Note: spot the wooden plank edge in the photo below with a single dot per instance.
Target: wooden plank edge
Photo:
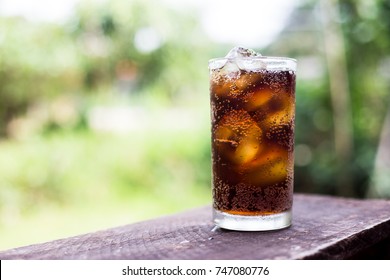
(359, 242)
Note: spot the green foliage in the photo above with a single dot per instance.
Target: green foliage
(131, 48)
(366, 27)
(314, 129)
(137, 43)
(53, 164)
(152, 172)
(27, 73)
(73, 167)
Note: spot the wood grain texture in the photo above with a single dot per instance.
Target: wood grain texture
(323, 228)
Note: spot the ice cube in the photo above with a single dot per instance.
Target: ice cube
(270, 167)
(246, 59)
(234, 84)
(248, 81)
(238, 58)
(254, 65)
(247, 148)
(280, 110)
(215, 64)
(240, 52)
(258, 99)
(237, 137)
(230, 70)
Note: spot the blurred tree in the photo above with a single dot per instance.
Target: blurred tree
(139, 47)
(37, 61)
(130, 47)
(322, 125)
(136, 48)
(335, 56)
(380, 181)
(366, 29)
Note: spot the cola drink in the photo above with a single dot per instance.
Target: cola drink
(252, 126)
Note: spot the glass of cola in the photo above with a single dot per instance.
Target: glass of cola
(252, 100)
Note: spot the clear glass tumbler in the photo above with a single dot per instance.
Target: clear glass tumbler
(252, 117)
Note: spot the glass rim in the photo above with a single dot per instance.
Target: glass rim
(255, 63)
(273, 58)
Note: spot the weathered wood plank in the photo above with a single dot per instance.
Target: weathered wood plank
(323, 228)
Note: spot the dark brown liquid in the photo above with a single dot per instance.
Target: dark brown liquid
(253, 141)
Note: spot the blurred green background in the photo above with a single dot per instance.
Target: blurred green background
(104, 114)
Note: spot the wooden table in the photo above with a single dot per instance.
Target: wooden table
(323, 227)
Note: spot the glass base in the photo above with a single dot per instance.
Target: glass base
(252, 223)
